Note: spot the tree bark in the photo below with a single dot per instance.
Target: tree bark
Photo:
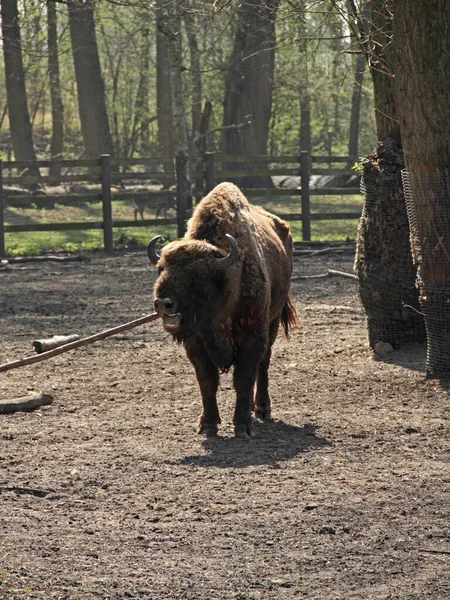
(57, 143)
(169, 24)
(19, 117)
(249, 82)
(195, 74)
(360, 64)
(91, 90)
(421, 34)
(383, 261)
(142, 119)
(163, 92)
(353, 135)
(304, 84)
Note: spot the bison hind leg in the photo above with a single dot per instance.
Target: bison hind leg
(262, 400)
(264, 413)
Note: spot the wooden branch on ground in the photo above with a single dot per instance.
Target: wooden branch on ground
(54, 342)
(83, 342)
(329, 273)
(333, 273)
(49, 258)
(25, 403)
(323, 251)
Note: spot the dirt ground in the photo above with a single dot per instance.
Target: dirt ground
(109, 493)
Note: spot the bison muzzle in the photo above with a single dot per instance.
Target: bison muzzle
(222, 291)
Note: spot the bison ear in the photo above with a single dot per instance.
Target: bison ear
(220, 264)
(153, 256)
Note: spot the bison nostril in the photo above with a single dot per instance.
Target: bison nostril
(164, 305)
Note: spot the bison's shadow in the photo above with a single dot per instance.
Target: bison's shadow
(274, 442)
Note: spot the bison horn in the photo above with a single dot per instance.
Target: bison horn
(153, 256)
(225, 262)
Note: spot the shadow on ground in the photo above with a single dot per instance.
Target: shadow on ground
(409, 356)
(274, 442)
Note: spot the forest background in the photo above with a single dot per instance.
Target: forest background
(316, 96)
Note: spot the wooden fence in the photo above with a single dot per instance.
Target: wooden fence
(205, 171)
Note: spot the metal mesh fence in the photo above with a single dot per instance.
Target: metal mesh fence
(383, 263)
(427, 198)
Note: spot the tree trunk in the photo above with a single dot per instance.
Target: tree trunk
(249, 82)
(163, 92)
(383, 261)
(360, 65)
(196, 76)
(142, 110)
(169, 23)
(353, 135)
(421, 34)
(303, 86)
(91, 90)
(56, 148)
(19, 117)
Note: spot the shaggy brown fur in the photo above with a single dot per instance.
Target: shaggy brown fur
(229, 317)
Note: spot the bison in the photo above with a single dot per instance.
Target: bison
(222, 291)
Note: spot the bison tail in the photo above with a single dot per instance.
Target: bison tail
(289, 318)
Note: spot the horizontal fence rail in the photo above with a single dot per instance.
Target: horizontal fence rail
(157, 187)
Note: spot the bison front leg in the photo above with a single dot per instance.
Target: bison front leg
(208, 380)
(245, 372)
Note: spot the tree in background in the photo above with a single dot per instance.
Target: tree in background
(19, 117)
(91, 91)
(163, 91)
(310, 67)
(196, 89)
(142, 117)
(169, 24)
(421, 37)
(383, 262)
(57, 143)
(360, 65)
(249, 81)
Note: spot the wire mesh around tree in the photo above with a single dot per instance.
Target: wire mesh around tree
(427, 197)
(383, 263)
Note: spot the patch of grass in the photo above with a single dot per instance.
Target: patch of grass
(34, 242)
(327, 231)
(29, 243)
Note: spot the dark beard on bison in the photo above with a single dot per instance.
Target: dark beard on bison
(172, 323)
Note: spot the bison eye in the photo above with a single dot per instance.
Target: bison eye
(160, 270)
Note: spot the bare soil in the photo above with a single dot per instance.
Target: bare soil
(109, 493)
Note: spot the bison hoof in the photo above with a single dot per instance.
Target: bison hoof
(263, 413)
(245, 432)
(208, 429)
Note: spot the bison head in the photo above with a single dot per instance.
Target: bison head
(191, 287)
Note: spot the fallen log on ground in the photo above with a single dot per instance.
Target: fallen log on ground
(25, 403)
(329, 273)
(44, 258)
(72, 345)
(54, 342)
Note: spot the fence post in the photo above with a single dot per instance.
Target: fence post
(306, 201)
(105, 176)
(199, 177)
(2, 215)
(184, 197)
(210, 175)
